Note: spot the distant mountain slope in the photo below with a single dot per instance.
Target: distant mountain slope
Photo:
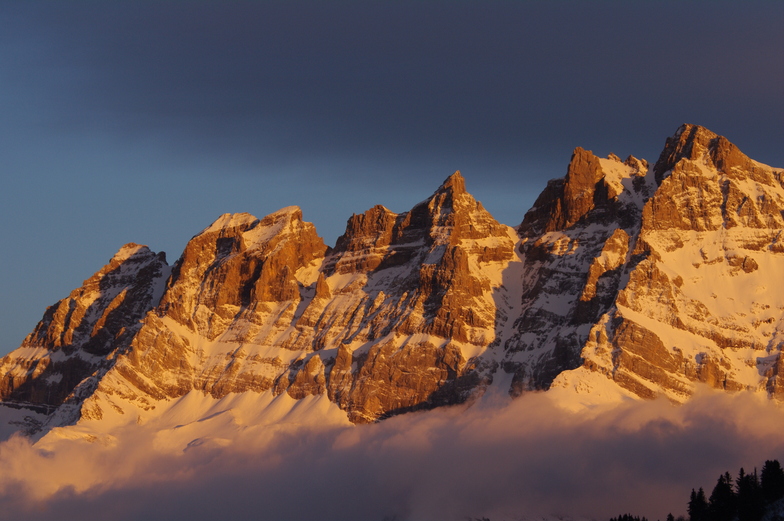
(622, 280)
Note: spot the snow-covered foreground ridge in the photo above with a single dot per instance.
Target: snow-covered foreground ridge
(623, 281)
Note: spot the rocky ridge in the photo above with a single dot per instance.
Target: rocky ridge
(699, 301)
(622, 280)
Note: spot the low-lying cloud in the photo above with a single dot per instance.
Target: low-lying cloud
(497, 459)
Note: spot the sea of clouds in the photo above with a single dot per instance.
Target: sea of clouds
(499, 459)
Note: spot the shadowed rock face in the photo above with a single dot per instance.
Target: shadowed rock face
(648, 279)
(576, 241)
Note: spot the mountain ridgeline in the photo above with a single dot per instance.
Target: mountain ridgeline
(623, 280)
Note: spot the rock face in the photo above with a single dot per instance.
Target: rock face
(576, 241)
(699, 301)
(82, 334)
(621, 280)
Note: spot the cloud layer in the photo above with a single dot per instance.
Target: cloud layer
(497, 459)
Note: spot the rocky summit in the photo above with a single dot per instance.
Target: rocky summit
(624, 280)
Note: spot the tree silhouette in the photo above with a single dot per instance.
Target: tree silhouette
(750, 502)
(722, 504)
(628, 517)
(749, 499)
(772, 481)
(698, 506)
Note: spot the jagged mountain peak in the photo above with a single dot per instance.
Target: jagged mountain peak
(78, 335)
(371, 229)
(131, 250)
(243, 231)
(450, 196)
(706, 183)
(595, 184)
(593, 188)
(452, 214)
(697, 304)
(230, 220)
(240, 260)
(447, 216)
(584, 172)
(455, 184)
(682, 145)
(288, 213)
(694, 142)
(124, 264)
(244, 221)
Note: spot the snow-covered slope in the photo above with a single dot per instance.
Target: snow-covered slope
(622, 281)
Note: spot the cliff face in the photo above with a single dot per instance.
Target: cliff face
(699, 302)
(576, 242)
(84, 332)
(621, 280)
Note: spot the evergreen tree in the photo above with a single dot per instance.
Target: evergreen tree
(772, 480)
(698, 506)
(750, 502)
(722, 504)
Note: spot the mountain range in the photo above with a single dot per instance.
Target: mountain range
(624, 281)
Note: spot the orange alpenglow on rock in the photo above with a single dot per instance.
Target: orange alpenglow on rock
(622, 281)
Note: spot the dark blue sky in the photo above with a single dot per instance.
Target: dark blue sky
(144, 121)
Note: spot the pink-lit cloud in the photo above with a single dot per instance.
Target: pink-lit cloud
(528, 458)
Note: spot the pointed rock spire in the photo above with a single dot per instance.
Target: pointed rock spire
(682, 145)
(455, 183)
(584, 172)
(565, 201)
(322, 288)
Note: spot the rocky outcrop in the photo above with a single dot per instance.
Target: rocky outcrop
(587, 189)
(709, 312)
(82, 333)
(237, 268)
(365, 244)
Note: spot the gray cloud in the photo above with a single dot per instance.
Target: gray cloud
(465, 81)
